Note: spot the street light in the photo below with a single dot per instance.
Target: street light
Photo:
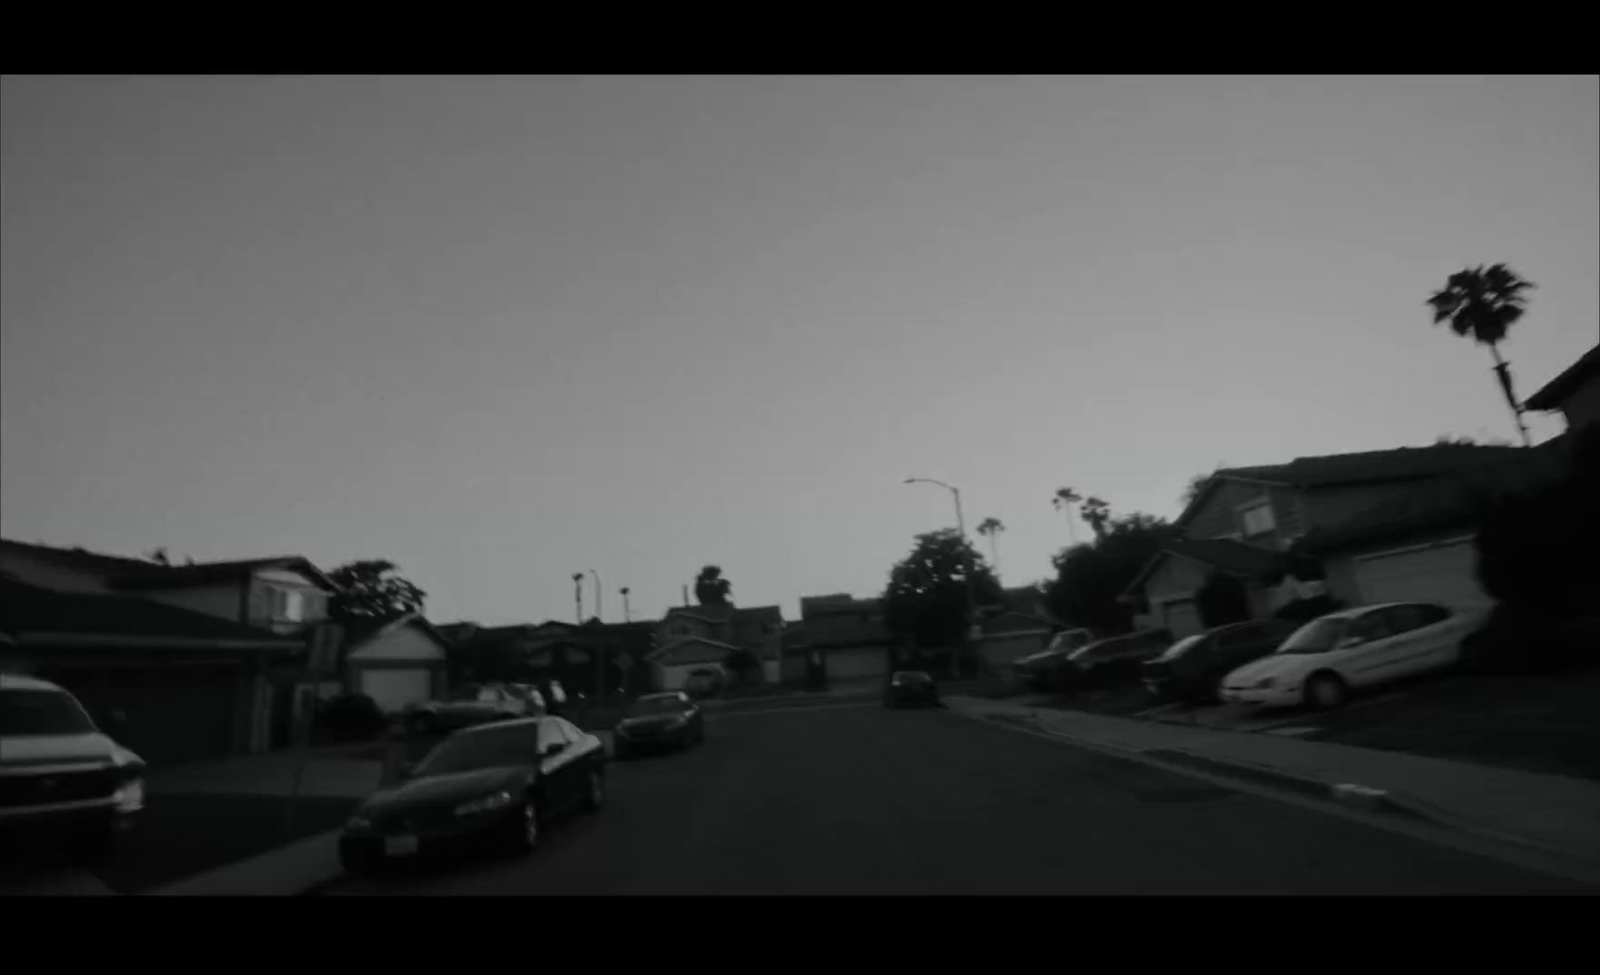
(966, 574)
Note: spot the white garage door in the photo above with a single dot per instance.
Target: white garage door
(394, 689)
(849, 664)
(1443, 573)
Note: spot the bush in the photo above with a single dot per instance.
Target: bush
(353, 717)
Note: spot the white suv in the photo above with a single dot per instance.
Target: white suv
(59, 774)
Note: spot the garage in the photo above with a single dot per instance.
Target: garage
(395, 689)
(1181, 617)
(856, 663)
(168, 715)
(1443, 572)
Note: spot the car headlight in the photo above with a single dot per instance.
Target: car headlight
(130, 796)
(358, 823)
(1265, 683)
(487, 804)
(677, 722)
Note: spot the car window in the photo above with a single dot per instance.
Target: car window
(1371, 626)
(42, 712)
(491, 747)
(1414, 616)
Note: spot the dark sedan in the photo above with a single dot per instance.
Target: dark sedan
(911, 687)
(1193, 668)
(657, 721)
(492, 787)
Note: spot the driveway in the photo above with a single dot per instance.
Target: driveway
(853, 799)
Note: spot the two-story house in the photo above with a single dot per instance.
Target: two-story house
(187, 659)
(690, 638)
(845, 639)
(1385, 525)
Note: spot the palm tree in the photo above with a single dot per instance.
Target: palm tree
(1063, 500)
(577, 593)
(1484, 303)
(992, 527)
(1097, 513)
(627, 614)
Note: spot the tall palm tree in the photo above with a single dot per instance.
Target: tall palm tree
(1097, 513)
(1063, 500)
(577, 593)
(992, 527)
(627, 614)
(1484, 303)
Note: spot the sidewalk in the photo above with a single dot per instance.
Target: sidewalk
(329, 773)
(1551, 813)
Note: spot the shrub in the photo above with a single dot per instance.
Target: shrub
(353, 717)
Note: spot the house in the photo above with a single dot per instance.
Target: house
(172, 684)
(846, 638)
(1019, 624)
(1381, 525)
(567, 652)
(282, 596)
(690, 638)
(1575, 393)
(397, 661)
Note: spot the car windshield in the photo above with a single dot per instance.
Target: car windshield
(1317, 636)
(1181, 647)
(496, 748)
(41, 712)
(656, 705)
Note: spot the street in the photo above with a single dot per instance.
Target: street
(852, 799)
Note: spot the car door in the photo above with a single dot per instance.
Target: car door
(1367, 650)
(1422, 644)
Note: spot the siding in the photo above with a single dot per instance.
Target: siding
(1177, 576)
(220, 599)
(1218, 517)
(406, 643)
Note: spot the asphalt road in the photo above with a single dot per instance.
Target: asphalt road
(853, 799)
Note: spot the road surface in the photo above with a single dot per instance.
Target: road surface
(853, 799)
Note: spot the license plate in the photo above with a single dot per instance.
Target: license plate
(400, 846)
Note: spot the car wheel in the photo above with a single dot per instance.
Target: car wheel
(526, 826)
(1326, 691)
(596, 796)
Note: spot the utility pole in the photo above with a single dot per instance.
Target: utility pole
(577, 594)
(627, 614)
(966, 573)
(599, 613)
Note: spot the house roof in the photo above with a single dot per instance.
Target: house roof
(727, 614)
(358, 632)
(1235, 558)
(1365, 467)
(130, 573)
(713, 649)
(1556, 391)
(26, 609)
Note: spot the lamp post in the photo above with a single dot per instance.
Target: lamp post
(599, 613)
(577, 594)
(966, 573)
(627, 614)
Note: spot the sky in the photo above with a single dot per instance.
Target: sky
(504, 329)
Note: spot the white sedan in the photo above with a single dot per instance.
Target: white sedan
(1354, 648)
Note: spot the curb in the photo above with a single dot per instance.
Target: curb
(1349, 795)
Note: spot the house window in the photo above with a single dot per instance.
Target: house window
(288, 605)
(1257, 519)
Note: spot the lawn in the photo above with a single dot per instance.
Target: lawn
(1534, 723)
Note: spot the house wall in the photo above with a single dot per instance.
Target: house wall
(221, 599)
(314, 601)
(1583, 406)
(1341, 565)
(675, 628)
(404, 643)
(857, 626)
(48, 574)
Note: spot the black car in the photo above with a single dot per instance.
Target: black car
(1192, 669)
(1108, 661)
(657, 721)
(911, 687)
(492, 787)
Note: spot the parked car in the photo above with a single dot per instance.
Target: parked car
(1193, 668)
(491, 787)
(667, 720)
(911, 687)
(1036, 671)
(535, 699)
(61, 777)
(471, 704)
(1108, 660)
(1322, 662)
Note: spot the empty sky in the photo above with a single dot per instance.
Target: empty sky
(503, 329)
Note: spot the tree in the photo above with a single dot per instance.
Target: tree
(1484, 303)
(1091, 578)
(991, 528)
(1222, 599)
(926, 598)
(159, 556)
(372, 589)
(1063, 500)
(1097, 514)
(710, 589)
(1196, 485)
(743, 665)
